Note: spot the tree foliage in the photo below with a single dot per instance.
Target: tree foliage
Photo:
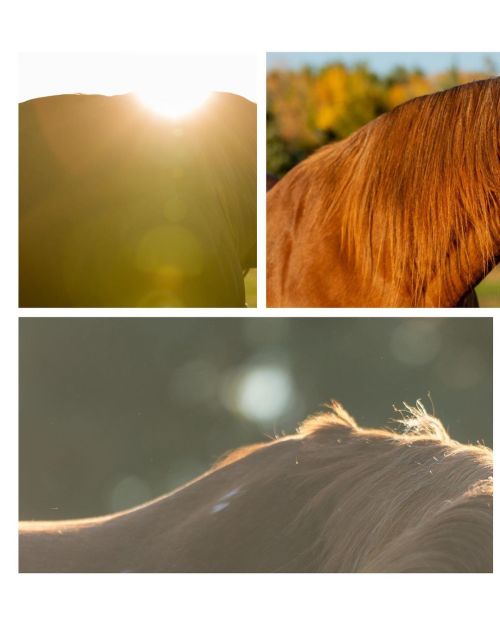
(307, 108)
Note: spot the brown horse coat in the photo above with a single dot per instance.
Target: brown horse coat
(405, 212)
(333, 498)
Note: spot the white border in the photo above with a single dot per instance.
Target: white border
(240, 27)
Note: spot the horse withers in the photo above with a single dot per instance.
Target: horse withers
(334, 497)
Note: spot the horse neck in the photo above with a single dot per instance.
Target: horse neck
(226, 521)
(236, 518)
(324, 501)
(464, 263)
(466, 267)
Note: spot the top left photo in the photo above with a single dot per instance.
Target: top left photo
(137, 181)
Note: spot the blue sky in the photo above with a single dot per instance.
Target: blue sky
(383, 62)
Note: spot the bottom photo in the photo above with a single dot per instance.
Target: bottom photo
(256, 445)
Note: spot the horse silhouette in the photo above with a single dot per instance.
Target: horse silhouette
(121, 207)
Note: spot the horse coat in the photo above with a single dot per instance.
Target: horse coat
(405, 212)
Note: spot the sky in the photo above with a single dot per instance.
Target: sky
(383, 62)
(54, 74)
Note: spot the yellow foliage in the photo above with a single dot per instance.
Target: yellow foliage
(308, 108)
(330, 96)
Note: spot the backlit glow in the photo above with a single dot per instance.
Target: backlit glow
(176, 103)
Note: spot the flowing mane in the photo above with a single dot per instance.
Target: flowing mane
(412, 198)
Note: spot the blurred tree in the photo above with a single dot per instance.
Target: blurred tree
(397, 75)
(346, 100)
(291, 121)
(278, 154)
(308, 108)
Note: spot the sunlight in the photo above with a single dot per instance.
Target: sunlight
(177, 103)
(261, 392)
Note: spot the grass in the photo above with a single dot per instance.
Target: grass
(488, 291)
(251, 288)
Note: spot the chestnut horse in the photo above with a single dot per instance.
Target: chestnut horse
(120, 207)
(405, 212)
(335, 497)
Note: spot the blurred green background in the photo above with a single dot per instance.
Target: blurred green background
(488, 291)
(115, 411)
(316, 98)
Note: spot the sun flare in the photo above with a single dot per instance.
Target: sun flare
(175, 104)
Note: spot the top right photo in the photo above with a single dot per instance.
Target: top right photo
(383, 177)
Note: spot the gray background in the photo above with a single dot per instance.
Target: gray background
(115, 411)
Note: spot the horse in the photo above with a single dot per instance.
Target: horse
(121, 207)
(403, 213)
(334, 497)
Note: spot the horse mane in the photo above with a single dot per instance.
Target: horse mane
(417, 189)
(415, 421)
(379, 500)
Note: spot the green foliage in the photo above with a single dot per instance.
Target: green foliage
(309, 108)
(488, 291)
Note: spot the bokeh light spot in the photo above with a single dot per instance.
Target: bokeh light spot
(172, 253)
(416, 342)
(260, 392)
